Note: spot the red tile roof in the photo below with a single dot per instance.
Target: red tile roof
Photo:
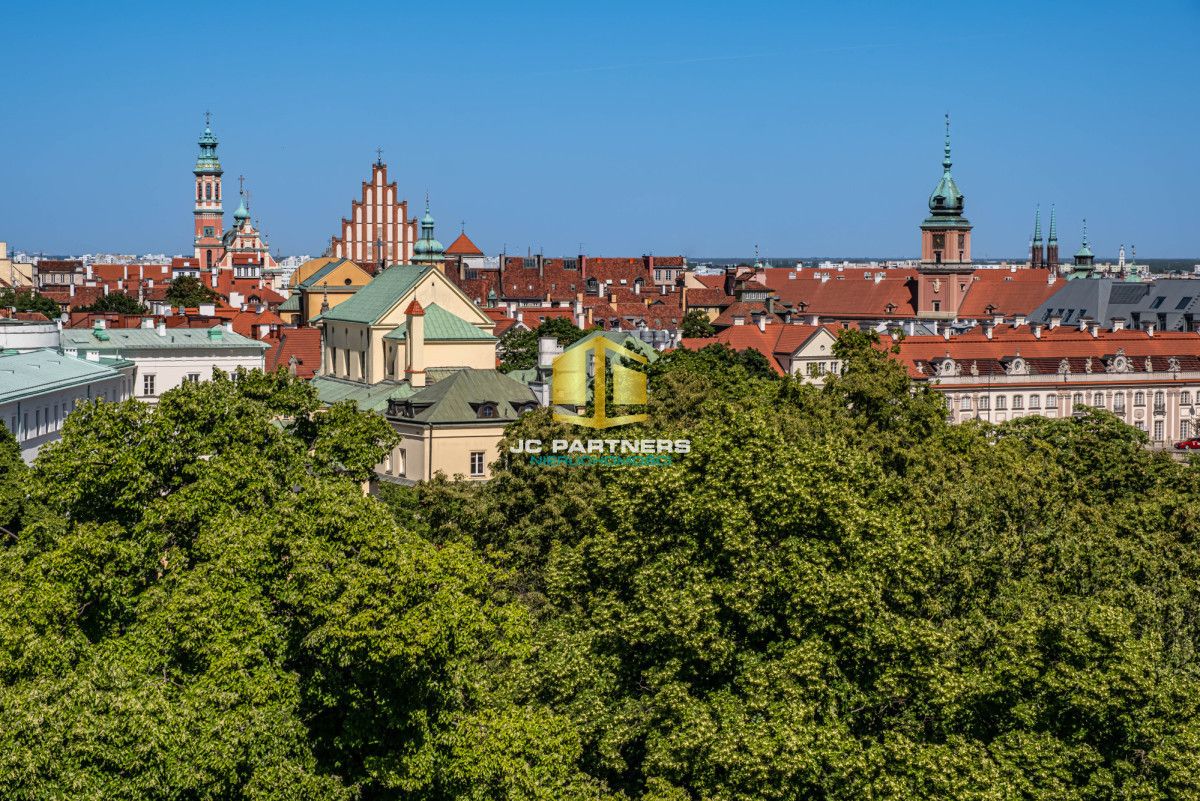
(852, 293)
(301, 344)
(463, 246)
(777, 342)
(1005, 292)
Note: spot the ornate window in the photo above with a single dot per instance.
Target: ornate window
(1119, 403)
(1160, 403)
(1139, 399)
(1077, 400)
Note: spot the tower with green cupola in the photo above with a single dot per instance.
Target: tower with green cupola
(427, 250)
(943, 274)
(208, 214)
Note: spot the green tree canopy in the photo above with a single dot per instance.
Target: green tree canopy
(696, 324)
(118, 302)
(518, 347)
(26, 300)
(189, 292)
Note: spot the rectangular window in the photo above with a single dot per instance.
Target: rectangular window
(1158, 430)
(148, 384)
(1185, 429)
(1001, 402)
(965, 404)
(984, 403)
(476, 464)
(1018, 402)
(1035, 402)
(193, 377)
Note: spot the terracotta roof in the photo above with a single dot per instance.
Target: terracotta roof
(302, 344)
(776, 343)
(415, 309)
(852, 293)
(1005, 292)
(743, 309)
(1043, 355)
(463, 246)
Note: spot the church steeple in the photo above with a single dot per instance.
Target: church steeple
(1052, 244)
(428, 250)
(1036, 251)
(208, 214)
(942, 275)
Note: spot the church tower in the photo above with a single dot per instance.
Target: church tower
(1036, 252)
(944, 274)
(428, 250)
(1052, 245)
(208, 213)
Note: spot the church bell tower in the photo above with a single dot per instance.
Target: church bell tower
(944, 273)
(208, 213)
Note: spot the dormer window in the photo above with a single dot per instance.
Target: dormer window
(486, 411)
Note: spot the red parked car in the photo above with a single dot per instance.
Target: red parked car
(1192, 444)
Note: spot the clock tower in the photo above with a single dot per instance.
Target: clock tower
(944, 273)
(208, 213)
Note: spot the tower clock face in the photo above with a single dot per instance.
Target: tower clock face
(939, 241)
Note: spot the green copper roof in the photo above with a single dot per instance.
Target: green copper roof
(458, 398)
(292, 304)
(427, 249)
(442, 326)
(369, 304)
(242, 212)
(1053, 230)
(38, 372)
(131, 340)
(369, 397)
(207, 161)
(1037, 226)
(1084, 251)
(946, 200)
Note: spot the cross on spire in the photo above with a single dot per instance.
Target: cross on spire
(241, 184)
(946, 157)
(379, 156)
(207, 118)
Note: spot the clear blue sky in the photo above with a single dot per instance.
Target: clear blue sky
(694, 127)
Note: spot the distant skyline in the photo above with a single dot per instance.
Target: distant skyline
(694, 128)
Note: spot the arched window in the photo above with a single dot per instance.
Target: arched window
(199, 192)
(208, 259)
(487, 410)
(208, 191)
(1035, 402)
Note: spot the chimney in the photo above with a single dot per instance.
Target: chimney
(161, 328)
(1118, 323)
(147, 322)
(580, 320)
(730, 279)
(814, 319)
(1037, 332)
(1094, 330)
(997, 319)
(1083, 323)
(1055, 321)
(946, 333)
(548, 351)
(1149, 329)
(99, 324)
(414, 350)
(987, 330)
(1018, 320)
(770, 304)
(520, 316)
(761, 319)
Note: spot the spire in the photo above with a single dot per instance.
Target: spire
(1053, 229)
(946, 157)
(427, 250)
(243, 211)
(1037, 225)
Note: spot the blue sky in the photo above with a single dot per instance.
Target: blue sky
(697, 128)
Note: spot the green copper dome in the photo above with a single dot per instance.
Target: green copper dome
(427, 249)
(207, 162)
(1084, 250)
(946, 200)
(242, 212)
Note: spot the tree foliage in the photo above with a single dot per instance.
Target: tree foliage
(117, 302)
(835, 594)
(26, 300)
(189, 292)
(696, 324)
(518, 347)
